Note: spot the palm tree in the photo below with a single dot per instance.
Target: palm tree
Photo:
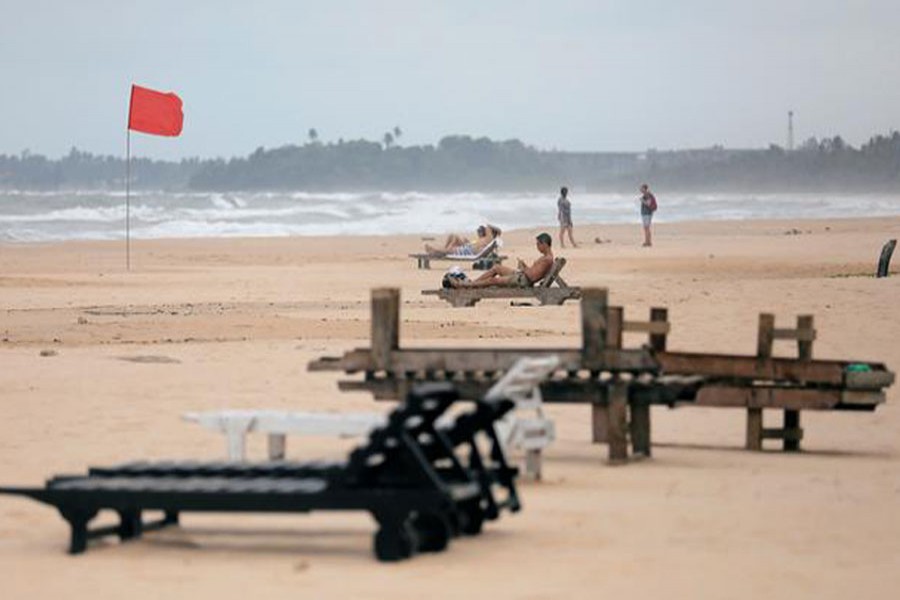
(313, 135)
(388, 139)
(397, 132)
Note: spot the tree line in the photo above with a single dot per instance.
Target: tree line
(461, 162)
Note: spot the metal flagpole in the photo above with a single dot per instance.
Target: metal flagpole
(128, 200)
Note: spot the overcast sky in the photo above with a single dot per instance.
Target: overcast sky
(576, 75)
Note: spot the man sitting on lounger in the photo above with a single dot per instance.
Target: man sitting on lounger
(524, 276)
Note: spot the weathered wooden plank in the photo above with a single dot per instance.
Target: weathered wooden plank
(385, 326)
(754, 428)
(617, 407)
(614, 327)
(551, 276)
(785, 398)
(752, 368)
(658, 339)
(875, 379)
(856, 399)
(594, 303)
(793, 436)
(711, 366)
(640, 428)
(765, 336)
(653, 327)
(599, 423)
(483, 359)
(553, 392)
(794, 334)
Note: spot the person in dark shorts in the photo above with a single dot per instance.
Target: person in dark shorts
(648, 207)
(564, 214)
(524, 276)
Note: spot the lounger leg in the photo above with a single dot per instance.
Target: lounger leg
(130, 524)
(618, 424)
(277, 445)
(78, 520)
(640, 428)
(600, 423)
(754, 428)
(533, 464)
(792, 431)
(433, 531)
(395, 539)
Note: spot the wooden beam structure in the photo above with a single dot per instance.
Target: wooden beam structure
(622, 384)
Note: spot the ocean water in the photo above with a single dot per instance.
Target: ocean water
(27, 216)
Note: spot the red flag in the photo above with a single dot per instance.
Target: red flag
(155, 112)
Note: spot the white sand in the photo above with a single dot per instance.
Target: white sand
(242, 318)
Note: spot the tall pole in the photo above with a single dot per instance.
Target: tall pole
(790, 140)
(128, 200)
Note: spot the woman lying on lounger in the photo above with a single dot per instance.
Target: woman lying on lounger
(524, 276)
(457, 245)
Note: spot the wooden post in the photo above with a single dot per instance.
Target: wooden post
(618, 425)
(615, 318)
(658, 340)
(640, 428)
(600, 416)
(754, 428)
(385, 326)
(600, 419)
(792, 430)
(765, 337)
(594, 303)
(804, 346)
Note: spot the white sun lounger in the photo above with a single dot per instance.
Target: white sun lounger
(520, 384)
(488, 256)
(531, 433)
(236, 424)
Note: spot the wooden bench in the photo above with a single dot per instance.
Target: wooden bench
(552, 289)
(484, 260)
(622, 383)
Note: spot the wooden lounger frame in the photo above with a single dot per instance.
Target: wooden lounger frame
(620, 383)
(544, 290)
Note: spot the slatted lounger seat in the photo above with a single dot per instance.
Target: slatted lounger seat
(552, 289)
(485, 259)
(277, 424)
(422, 483)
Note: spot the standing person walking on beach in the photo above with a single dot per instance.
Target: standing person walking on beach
(564, 213)
(648, 207)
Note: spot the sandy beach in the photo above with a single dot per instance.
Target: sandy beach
(232, 323)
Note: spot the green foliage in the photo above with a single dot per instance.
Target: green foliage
(460, 162)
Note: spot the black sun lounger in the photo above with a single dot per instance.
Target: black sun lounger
(423, 483)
